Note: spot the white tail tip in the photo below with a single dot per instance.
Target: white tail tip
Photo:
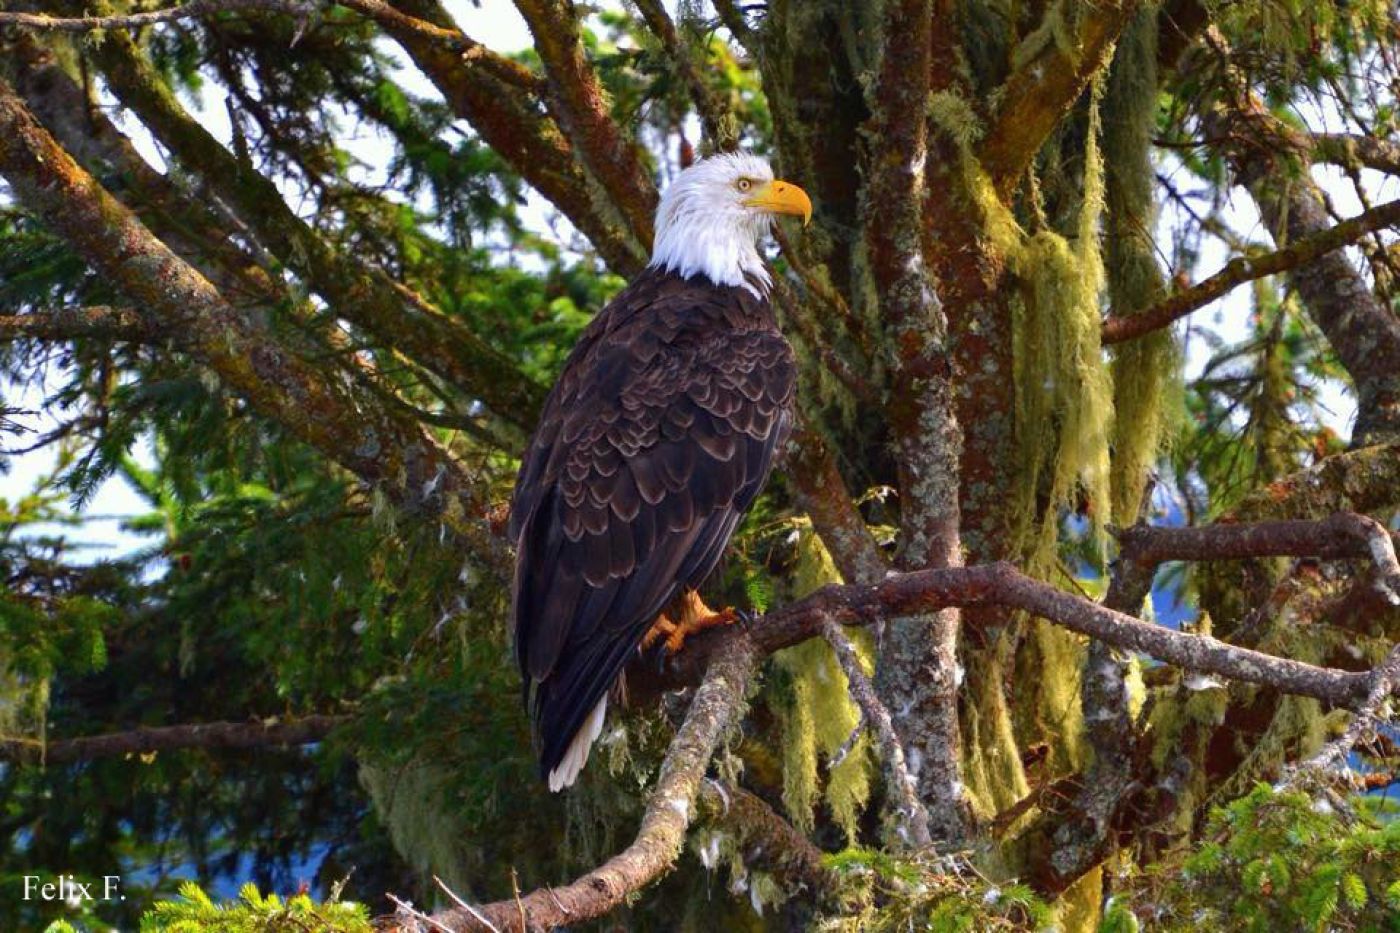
(576, 757)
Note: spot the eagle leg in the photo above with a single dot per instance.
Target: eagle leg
(692, 617)
(661, 629)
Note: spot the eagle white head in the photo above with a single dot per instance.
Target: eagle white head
(710, 218)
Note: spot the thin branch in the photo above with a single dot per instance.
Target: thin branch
(913, 828)
(507, 70)
(148, 739)
(46, 23)
(1385, 680)
(669, 810)
(78, 323)
(1248, 268)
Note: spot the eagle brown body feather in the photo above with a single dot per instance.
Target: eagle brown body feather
(656, 439)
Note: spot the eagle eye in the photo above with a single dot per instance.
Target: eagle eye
(744, 184)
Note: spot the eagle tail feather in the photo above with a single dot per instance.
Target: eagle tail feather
(576, 756)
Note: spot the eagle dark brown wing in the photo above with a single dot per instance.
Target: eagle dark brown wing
(657, 438)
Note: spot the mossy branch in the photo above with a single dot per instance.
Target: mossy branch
(1043, 88)
(1244, 269)
(671, 805)
(912, 818)
(103, 322)
(579, 103)
(1003, 585)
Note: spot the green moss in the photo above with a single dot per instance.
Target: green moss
(818, 714)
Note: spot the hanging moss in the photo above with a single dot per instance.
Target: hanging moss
(818, 715)
(992, 769)
(1147, 391)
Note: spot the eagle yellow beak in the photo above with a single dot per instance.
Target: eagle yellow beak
(782, 197)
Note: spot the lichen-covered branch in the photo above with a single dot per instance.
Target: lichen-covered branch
(510, 122)
(1045, 86)
(149, 739)
(911, 817)
(580, 105)
(671, 804)
(1248, 268)
(1385, 681)
(916, 669)
(103, 322)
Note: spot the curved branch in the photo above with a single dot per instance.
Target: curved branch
(147, 739)
(670, 805)
(1001, 584)
(1248, 268)
(495, 64)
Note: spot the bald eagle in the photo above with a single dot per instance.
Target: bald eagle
(656, 439)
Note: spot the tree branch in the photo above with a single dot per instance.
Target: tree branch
(148, 739)
(77, 323)
(821, 492)
(919, 653)
(670, 806)
(912, 825)
(1039, 92)
(44, 22)
(768, 840)
(1248, 268)
(719, 127)
(1362, 331)
(453, 40)
(1003, 585)
(531, 142)
(1383, 155)
(580, 105)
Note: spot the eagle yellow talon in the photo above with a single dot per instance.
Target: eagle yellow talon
(692, 617)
